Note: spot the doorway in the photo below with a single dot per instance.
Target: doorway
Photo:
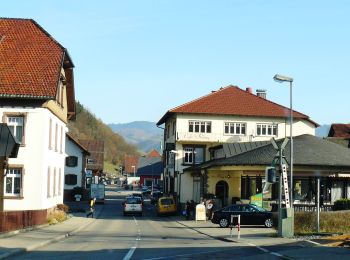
(221, 192)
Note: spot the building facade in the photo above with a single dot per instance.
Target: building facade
(37, 100)
(193, 131)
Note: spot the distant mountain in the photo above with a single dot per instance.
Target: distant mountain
(323, 130)
(143, 134)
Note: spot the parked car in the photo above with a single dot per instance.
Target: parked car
(249, 215)
(132, 205)
(166, 206)
(155, 195)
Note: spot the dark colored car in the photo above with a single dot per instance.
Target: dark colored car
(155, 195)
(249, 215)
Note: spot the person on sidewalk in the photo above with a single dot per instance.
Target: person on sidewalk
(188, 210)
(210, 206)
(92, 207)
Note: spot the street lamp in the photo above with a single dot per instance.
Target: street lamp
(133, 166)
(281, 79)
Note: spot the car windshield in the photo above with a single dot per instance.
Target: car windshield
(133, 200)
(259, 208)
(167, 201)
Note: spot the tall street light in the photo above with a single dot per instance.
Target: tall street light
(133, 166)
(281, 79)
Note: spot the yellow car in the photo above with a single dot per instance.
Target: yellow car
(166, 206)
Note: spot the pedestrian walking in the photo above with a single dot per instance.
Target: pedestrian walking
(92, 207)
(210, 207)
(188, 209)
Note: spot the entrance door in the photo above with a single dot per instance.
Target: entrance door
(221, 192)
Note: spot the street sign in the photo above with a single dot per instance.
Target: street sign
(285, 185)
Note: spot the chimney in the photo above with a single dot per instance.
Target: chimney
(249, 90)
(261, 93)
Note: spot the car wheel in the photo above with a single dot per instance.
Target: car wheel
(268, 222)
(223, 222)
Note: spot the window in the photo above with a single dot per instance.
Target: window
(232, 128)
(199, 127)
(16, 125)
(59, 181)
(70, 179)
(193, 155)
(13, 182)
(56, 137)
(266, 130)
(49, 182)
(54, 182)
(61, 140)
(174, 127)
(71, 161)
(50, 134)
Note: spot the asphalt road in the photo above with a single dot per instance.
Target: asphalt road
(113, 236)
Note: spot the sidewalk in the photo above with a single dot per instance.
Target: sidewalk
(18, 242)
(267, 241)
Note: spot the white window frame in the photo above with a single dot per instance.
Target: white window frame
(233, 128)
(14, 122)
(199, 126)
(266, 129)
(190, 155)
(13, 173)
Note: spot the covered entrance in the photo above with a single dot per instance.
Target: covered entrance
(221, 192)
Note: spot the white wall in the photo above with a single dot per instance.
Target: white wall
(36, 157)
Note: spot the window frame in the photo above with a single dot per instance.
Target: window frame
(199, 126)
(189, 151)
(232, 128)
(5, 119)
(263, 129)
(11, 174)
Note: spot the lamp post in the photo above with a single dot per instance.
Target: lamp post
(281, 79)
(133, 166)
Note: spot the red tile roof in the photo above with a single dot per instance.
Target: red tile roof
(153, 153)
(232, 100)
(339, 130)
(129, 161)
(30, 61)
(96, 149)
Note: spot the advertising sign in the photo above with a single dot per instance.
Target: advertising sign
(257, 199)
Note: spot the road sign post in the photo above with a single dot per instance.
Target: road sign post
(285, 214)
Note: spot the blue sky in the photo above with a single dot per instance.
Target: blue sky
(137, 59)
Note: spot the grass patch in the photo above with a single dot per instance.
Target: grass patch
(330, 222)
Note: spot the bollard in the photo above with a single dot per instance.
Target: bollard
(238, 225)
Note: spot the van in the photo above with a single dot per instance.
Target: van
(166, 206)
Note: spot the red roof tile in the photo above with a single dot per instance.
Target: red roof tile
(339, 130)
(232, 100)
(30, 60)
(96, 149)
(153, 153)
(129, 161)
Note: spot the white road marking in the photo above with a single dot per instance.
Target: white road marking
(276, 254)
(263, 249)
(130, 253)
(138, 238)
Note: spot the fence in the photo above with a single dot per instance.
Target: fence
(15, 220)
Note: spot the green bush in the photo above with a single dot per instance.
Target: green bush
(332, 221)
(341, 204)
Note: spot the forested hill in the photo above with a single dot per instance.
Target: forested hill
(87, 126)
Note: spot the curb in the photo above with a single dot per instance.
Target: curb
(47, 242)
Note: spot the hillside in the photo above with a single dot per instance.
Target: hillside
(143, 134)
(87, 126)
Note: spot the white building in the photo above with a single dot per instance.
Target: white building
(36, 101)
(75, 164)
(228, 115)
